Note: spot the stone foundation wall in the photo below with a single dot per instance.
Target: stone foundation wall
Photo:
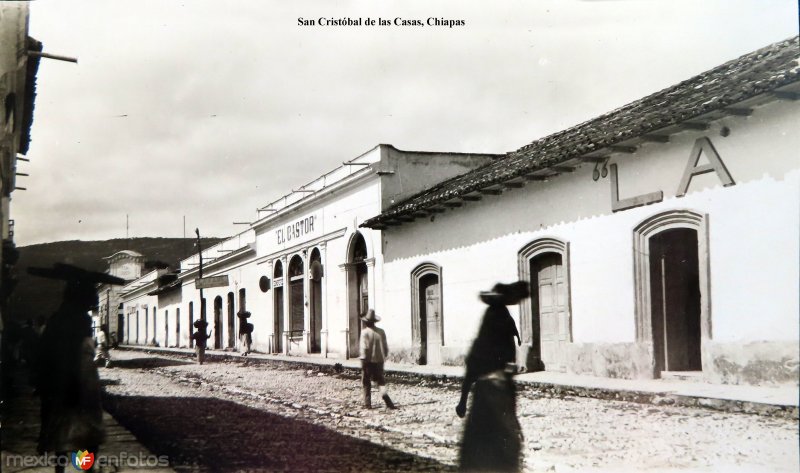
(611, 360)
(755, 363)
(451, 356)
(402, 355)
(454, 356)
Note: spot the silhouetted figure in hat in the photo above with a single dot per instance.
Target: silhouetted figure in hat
(374, 350)
(492, 438)
(200, 338)
(68, 383)
(245, 332)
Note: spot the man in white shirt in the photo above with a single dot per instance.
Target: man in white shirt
(374, 350)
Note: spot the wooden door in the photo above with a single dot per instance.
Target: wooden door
(433, 320)
(191, 325)
(316, 316)
(177, 327)
(296, 307)
(231, 322)
(218, 322)
(278, 315)
(675, 299)
(552, 310)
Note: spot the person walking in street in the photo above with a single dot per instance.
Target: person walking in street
(492, 439)
(200, 337)
(102, 355)
(374, 350)
(245, 332)
(68, 382)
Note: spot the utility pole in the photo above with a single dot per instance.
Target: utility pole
(200, 276)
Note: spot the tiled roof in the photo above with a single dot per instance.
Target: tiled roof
(32, 67)
(699, 98)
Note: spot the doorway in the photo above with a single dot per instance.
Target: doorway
(218, 322)
(675, 300)
(296, 299)
(178, 327)
(231, 322)
(191, 324)
(671, 277)
(277, 303)
(357, 290)
(430, 320)
(550, 309)
(315, 294)
(122, 329)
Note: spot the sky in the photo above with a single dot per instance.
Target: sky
(204, 111)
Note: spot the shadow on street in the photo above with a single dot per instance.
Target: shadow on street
(208, 434)
(152, 362)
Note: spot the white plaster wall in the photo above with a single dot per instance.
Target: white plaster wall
(145, 327)
(753, 237)
(337, 218)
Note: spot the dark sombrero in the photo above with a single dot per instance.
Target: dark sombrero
(75, 275)
(506, 294)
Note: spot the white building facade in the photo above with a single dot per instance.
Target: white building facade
(305, 270)
(660, 238)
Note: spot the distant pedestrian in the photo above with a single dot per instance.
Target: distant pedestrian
(68, 382)
(492, 438)
(200, 338)
(102, 355)
(374, 350)
(245, 332)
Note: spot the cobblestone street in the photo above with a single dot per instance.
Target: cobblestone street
(243, 415)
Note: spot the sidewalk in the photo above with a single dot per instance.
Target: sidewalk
(20, 433)
(778, 401)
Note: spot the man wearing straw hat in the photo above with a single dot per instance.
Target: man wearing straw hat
(374, 350)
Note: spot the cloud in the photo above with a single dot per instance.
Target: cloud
(229, 105)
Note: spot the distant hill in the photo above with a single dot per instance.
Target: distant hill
(37, 298)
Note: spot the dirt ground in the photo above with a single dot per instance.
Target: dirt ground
(242, 415)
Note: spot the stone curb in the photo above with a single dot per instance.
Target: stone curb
(548, 389)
